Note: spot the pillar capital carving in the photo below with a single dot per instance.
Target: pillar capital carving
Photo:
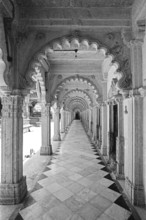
(12, 106)
(134, 93)
(125, 94)
(126, 36)
(109, 102)
(57, 110)
(118, 98)
(136, 42)
(5, 90)
(130, 38)
(13, 185)
(141, 30)
(103, 104)
(45, 109)
(142, 91)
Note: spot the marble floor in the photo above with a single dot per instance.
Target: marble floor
(75, 185)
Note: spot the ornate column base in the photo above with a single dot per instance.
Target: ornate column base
(120, 157)
(57, 138)
(104, 150)
(120, 176)
(46, 150)
(11, 194)
(135, 193)
(120, 171)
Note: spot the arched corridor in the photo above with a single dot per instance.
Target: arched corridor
(79, 65)
(75, 185)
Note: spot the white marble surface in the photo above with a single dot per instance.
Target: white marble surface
(75, 187)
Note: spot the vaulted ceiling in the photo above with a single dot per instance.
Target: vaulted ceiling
(72, 46)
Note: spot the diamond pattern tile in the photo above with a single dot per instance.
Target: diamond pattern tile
(75, 185)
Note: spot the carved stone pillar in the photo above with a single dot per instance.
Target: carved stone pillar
(134, 174)
(90, 120)
(85, 113)
(110, 133)
(94, 137)
(26, 112)
(46, 148)
(56, 125)
(104, 129)
(136, 63)
(87, 119)
(109, 127)
(83, 119)
(120, 140)
(27, 106)
(69, 118)
(98, 136)
(65, 119)
(62, 120)
(12, 182)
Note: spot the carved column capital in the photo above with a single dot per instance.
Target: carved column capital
(103, 104)
(12, 106)
(109, 102)
(126, 36)
(142, 91)
(134, 93)
(125, 94)
(118, 98)
(46, 109)
(136, 42)
(57, 110)
(141, 30)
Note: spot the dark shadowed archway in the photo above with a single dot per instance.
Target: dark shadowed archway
(77, 116)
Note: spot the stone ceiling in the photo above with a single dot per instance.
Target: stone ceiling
(75, 3)
(95, 19)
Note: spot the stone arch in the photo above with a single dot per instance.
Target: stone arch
(41, 59)
(80, 80)
(75, 101)
(77, 93)
(77, 114)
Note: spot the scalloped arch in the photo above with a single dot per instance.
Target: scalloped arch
(42, 58)
(76, 101)
(77, 93)
(76, 79)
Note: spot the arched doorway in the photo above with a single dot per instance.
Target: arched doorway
(77, 116)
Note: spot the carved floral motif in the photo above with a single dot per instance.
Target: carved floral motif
(12, 106)
(121, 53)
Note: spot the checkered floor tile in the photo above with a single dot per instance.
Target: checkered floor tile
(75, 185)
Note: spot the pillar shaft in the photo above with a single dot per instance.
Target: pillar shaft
(134, 152)
(94, 137)
(62, 121)
(134, 121)
(110, 128)
(136, 63)
(46, 148)
(120, 141)
(56, 125)
(12, 183)
(104, 129)
(90, 120)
